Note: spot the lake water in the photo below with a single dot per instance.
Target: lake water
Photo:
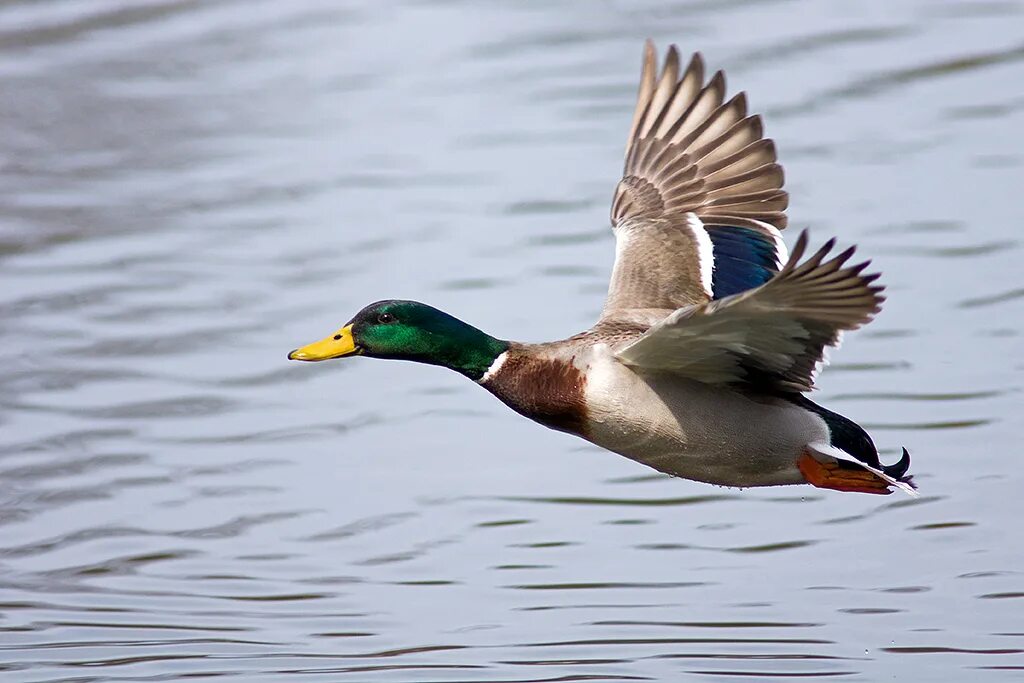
(188, 190)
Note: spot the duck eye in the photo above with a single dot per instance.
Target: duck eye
(385, 318)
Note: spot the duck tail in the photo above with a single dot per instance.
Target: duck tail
(898, 470)
(896, 474)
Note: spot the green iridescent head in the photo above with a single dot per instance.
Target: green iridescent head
(409, 330)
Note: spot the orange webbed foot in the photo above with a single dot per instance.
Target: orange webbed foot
(840, 477)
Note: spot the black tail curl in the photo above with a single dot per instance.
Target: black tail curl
(898, 470)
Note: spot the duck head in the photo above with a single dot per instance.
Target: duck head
(409, 330)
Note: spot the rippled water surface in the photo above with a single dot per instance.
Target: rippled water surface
(190, 189)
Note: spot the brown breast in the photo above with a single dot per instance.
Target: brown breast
(548, 390)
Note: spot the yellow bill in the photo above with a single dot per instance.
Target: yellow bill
(338, 345)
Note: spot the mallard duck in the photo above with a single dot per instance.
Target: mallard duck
(710, 334)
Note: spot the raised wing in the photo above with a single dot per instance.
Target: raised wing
(695, 165)
(775, 334)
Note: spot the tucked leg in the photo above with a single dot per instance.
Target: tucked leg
(840, 478)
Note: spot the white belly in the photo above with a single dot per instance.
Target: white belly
(695, 430)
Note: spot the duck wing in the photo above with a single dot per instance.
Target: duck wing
(698, 210)
(774, 335)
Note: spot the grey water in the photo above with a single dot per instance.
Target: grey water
(188, 190)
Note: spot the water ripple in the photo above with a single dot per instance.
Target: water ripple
(190, 188)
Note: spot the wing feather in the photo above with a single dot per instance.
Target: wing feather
(775, 334)
(692, 159)
(682, 132)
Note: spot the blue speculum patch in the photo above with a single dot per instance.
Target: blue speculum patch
(744, 259)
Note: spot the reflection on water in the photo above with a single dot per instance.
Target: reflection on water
(189, 189)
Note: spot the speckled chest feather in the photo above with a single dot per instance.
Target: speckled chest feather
(549, 391)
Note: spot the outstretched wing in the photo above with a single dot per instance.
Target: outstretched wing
(698, 211)
(775, 334)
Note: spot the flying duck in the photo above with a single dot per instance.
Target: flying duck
(711, 333)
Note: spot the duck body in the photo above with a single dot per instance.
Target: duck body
(682, 427)
(711, 332)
